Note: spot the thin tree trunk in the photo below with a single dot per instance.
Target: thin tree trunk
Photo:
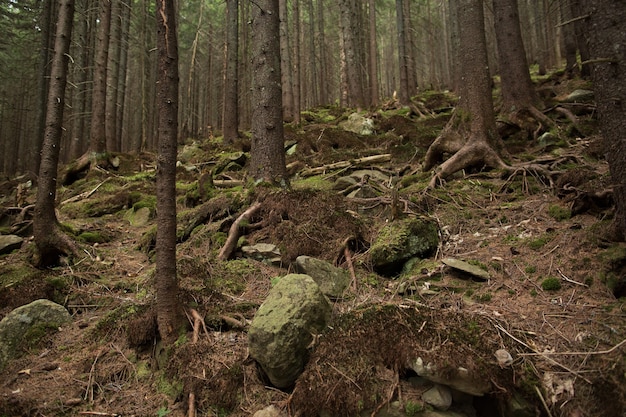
(169, 310)
(296, 64)
(230, 115)
(373, 64)
(286, 68)
(403, 93)
(50, 241)
(113, 65)
(123, 74)
(98, 106)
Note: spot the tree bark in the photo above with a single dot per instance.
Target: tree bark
(471, 132)
(230, 117)
(98, 106)
(403, 93)
(113, 65)
(607, 41)
(267, 151)
(349, 23)
(169, 311)
(50, 241)
(374, 97)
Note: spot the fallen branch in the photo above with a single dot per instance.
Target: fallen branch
(197, 321)
(346, 164)
(191, 411)
(599, 352)
(234, 232)
(86, 194)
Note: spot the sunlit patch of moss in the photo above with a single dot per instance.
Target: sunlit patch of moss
(91, 237)
(540, 242)
(172, 388)
(142, 176)
(559, 213)
(317, 182)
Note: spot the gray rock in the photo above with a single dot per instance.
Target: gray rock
(284, 325)
(270, 411)
(473, 270)
(265, 252)
(28, 320)
(358, 124)
(140, 217)
(461, 379)
(401, 240)
(9, 243)
(579, 96)
(439, 396)
(332, 281)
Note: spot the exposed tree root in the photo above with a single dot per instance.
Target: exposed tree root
(55, 245)
(234, 232)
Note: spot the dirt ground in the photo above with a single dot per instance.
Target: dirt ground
(553, 299)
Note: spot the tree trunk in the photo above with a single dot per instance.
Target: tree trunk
(349, 20)
(98, 106)
(230, 116)
(373, 55)
(403, 93)
(471, 132)
(50, 241)
(296, 64)
(123, 73)
(113, 65)
(607, 43)
(286, 68)
(267, 153)
(169, 311)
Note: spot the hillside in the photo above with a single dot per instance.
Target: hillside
(552, 299)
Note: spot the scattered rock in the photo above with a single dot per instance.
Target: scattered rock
(473, 270)
(358, 124)
(265, 252)
(26, 324)
(283, 327)
(270, 411)
(439, 396)
(399, 241)
(332, 281)
(504, 358)
(138, 218)
(461, 379)
(9, 243)
(579, 96)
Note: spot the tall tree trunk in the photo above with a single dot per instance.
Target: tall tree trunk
(313, 88)
(230, 116)
(267, 153)
(286, 68)
(373, 51)
(403, 93)
(113, 65)
(471, 132)
(42, 82)
(349, 22)
(98, 106)
(296, 64)
(50, 241)
(607, 43)
(123, 74)
(169, 310)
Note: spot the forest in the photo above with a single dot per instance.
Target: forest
(303, 208)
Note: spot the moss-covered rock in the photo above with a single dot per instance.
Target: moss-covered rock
(399, 241)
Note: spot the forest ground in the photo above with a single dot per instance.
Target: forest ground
(565, 335)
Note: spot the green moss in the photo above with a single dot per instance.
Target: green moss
(171, 388)
(530, 269)
(413, 408)
(91, 237)
(559, 213)
(147, 201)
(551, 284)
(317, 182)
(540, 242)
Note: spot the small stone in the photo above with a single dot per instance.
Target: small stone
(439, 397)
(504, 358)
(473, 270)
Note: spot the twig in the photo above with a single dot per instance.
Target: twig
(191, 412)
(346, 377)
(233, 232)
(197, 321)
(543, 401)
(543, 355)
(570, 280)
(86, 194)
(393, 388)
(98, 413)
(599, 352)
(348, 256)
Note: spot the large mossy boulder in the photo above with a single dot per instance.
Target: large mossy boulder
(401, 240)
(25, 325)
(284, 325)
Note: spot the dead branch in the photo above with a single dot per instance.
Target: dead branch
(197, 321)
(84, 195)
(234, 232)
(191, 411)
(346, 164)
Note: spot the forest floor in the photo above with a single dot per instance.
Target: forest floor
(553, 299)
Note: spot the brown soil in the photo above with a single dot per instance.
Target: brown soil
(109, 362)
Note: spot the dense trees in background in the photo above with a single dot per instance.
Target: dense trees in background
(333, 52)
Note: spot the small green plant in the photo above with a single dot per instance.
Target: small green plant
(162, 412)
(551, 284)
(533, 292)
(559, 213)
(483, 298)
(530, 269)
(413, 408)
(540, 242)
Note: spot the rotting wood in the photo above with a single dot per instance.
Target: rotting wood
(234, 232)
(346, 164)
